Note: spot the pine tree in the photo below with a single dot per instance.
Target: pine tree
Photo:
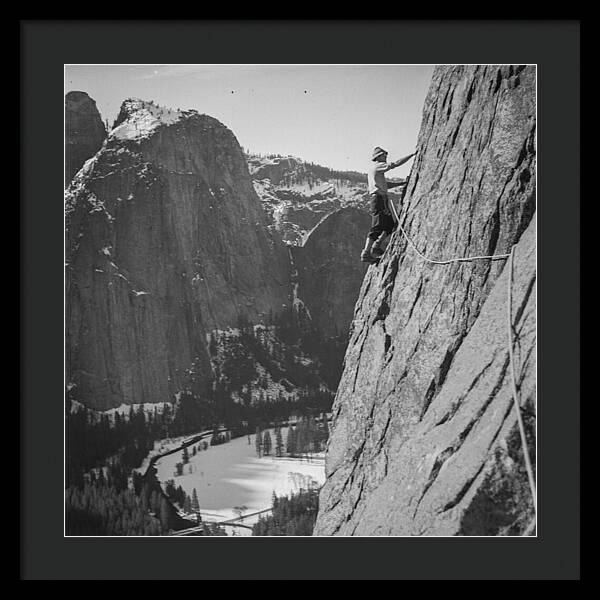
(258, 442)
(214, 440)
(195, 502)
(164, 514)
(278, 442)
(185, 456)
(170, 488)
(187, 504)
(267, 443)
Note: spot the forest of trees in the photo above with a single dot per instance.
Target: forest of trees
(100, 509)
(109, 503)
(292, 515)
(307, 436)
(189, 504)
(103, 494)
(93, 440)
(288, 351)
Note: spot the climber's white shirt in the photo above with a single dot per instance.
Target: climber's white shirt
(376, 176)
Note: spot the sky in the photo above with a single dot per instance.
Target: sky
(329, 115)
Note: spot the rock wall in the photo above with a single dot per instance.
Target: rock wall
(166, 240)
(329, 270)
(84, 132)
(424, 440)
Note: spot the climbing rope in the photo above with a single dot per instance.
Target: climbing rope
(442, 262)
(514, 386)
(515, 395)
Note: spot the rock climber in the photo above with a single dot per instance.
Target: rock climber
(382, 220)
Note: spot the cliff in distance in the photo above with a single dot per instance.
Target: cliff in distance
(166, 241)
(328, 271)
(84, 132)
(323, 216)
(297, 195)
(424, 439)
(169, 245)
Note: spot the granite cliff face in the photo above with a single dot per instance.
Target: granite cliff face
(84, 132)
(329, 274)
(424, 439)
(166, 241)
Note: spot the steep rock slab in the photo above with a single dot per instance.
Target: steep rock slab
(471, 192)
(84, 132)
(329, 270)
(166, 240)
(461, 471)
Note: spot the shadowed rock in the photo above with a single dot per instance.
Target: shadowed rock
(329, 270)
(84, 132)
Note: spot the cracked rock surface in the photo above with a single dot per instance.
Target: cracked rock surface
(424, 439)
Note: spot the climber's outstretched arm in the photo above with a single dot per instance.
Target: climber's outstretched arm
(401, 161)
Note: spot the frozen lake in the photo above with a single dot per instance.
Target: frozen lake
(231, 475)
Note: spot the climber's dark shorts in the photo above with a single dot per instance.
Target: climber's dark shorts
(380, 221)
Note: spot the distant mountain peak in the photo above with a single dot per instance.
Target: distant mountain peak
(297, 194)
(140, 118)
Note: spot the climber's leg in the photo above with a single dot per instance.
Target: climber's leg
(377, 206)
(387, 224)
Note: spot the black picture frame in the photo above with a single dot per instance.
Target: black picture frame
(45, 554)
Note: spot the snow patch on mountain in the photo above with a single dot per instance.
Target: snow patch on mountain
(124, 410)
(143, 118)
(296, 194)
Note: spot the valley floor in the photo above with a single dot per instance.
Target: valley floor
(231, 475)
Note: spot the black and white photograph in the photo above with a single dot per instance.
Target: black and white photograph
(304, 293)
(300, 300)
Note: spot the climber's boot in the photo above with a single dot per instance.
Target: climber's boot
(376, 251)
(367, 257)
